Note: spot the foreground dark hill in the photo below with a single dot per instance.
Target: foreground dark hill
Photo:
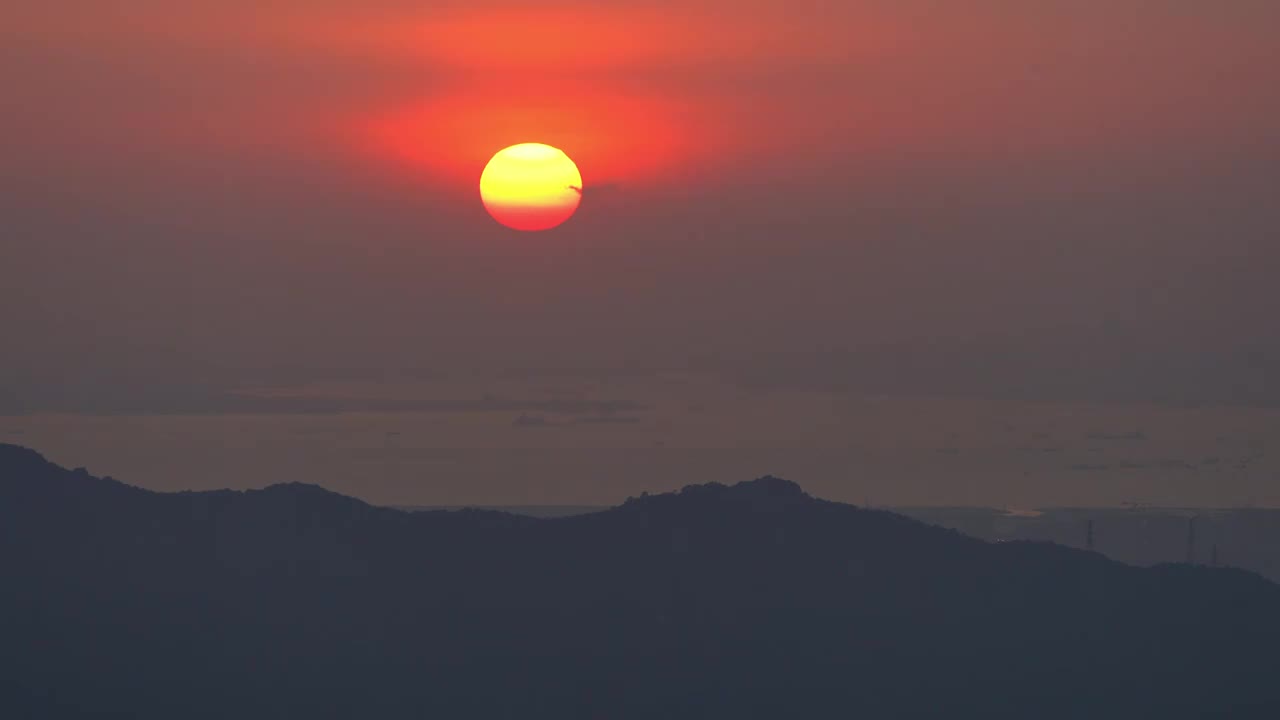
(747, 601)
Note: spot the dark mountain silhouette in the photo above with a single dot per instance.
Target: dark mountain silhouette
(1246, 538)
(754, 600)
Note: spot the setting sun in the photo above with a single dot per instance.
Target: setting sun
(531, 187)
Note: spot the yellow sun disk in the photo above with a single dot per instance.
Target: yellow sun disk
(531, 187)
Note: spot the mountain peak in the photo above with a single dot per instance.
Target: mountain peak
(298, 488)
(767, 492)
(309, 493)
(767, 488)
(14, 456)
(772, 487)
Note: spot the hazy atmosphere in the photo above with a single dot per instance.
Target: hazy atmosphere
(635, 359)
(994, 252)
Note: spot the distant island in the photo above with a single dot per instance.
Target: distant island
(744, 601)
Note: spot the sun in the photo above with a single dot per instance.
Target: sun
(531, 186)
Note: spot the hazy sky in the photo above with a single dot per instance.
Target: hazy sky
(258, 209)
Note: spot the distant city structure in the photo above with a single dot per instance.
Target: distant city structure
(1245, 538)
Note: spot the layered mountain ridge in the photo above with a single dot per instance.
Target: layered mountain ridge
(751, 600)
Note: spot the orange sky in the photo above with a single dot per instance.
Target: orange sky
(644, 88)
(1039, 199)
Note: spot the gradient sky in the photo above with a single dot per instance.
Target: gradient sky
(264, 214)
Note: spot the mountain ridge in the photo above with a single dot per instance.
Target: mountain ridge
(16, 458)
(747, 600)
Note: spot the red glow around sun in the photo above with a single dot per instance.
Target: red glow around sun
(616, 139)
